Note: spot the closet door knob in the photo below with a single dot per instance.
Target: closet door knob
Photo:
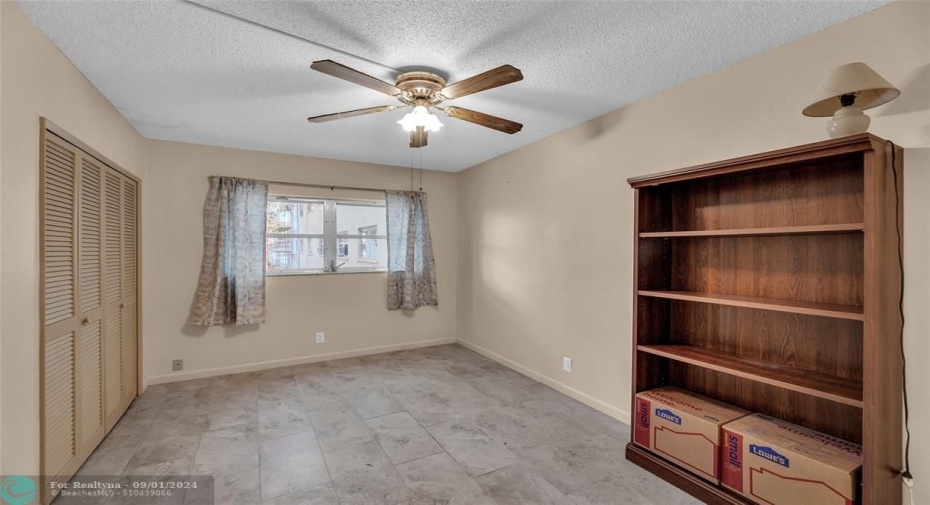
(85, 321)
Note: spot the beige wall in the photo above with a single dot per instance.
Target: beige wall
(545, 232)
(350, 308)
(45, 84)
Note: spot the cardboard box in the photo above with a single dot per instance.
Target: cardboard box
(683, 427)
(775, 462)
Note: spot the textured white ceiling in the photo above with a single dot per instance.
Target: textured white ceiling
(178, 72)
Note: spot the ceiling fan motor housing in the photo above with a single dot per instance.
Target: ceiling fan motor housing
(418, 86)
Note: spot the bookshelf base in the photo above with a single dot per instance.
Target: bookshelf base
(682, 479)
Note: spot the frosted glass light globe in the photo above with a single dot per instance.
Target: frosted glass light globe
(420, 117)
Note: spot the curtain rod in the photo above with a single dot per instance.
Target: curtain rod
(325, 186)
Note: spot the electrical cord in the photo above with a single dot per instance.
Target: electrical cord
(906, 473)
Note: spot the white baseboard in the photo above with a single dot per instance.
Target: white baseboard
(264, 365)
(618, 414)
(588, 400)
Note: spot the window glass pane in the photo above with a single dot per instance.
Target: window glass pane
(368, 248)
(354, 224)
(351, 219)
(292, 216)
(294, 254)
(342, 245)
(365, 253)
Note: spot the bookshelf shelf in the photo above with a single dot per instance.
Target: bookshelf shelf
(760, 232)
(836, 389)
(753, 302)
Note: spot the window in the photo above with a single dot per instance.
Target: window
(368, 246)
(302, 236)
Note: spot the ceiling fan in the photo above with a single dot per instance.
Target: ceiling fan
(424, 91)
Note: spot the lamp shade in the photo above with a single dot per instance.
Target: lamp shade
(870, 88)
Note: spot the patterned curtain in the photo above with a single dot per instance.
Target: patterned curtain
(231, 289)
(411, 268)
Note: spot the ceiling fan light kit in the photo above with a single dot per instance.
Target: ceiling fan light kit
(424, 91)
(420, 117)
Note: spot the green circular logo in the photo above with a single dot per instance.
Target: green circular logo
(17, 490)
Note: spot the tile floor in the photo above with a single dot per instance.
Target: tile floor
(430, 426)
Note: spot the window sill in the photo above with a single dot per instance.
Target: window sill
(344, 272)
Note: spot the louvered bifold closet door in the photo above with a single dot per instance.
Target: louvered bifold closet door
(128, 302)
(88, 291)
(113, 296)
(59, 306)
(90, 372)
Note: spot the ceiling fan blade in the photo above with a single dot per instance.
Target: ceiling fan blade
(486, 120)
(504, 74)
(349, 74)
(418, 137)
(352, 113)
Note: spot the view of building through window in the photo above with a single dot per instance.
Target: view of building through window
(318, 235)
(368, 247)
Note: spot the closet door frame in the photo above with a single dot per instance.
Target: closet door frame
(45, 127)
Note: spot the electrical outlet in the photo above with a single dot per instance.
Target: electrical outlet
(320, 337)
(567, 364)
(177, 365)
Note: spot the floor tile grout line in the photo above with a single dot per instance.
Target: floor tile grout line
(319, 444)
(507, 466)
(378, 439)
(259, 452)
(440, 451)
(446, 450)
(388, 415)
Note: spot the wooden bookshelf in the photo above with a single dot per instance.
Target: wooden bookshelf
(771, 282)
